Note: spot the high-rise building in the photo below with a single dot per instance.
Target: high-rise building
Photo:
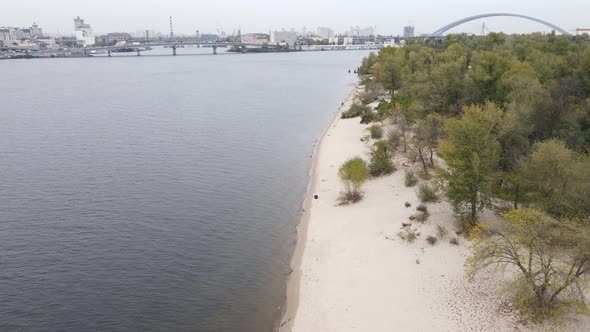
(356, 31)
(408, 31)
(84, 33)
(325, 32)
(36, 31)
(289, 37)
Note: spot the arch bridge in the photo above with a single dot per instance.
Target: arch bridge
(448, 27)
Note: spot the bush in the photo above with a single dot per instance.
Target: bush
(427, 194)
(376, 132)
(454, 241)
(441, 231)
(353, 174)
(408, 234)
(367, 117)
(383, 146)
(381, 164)
(393, 136)
(355, 110)
(431, 240)
(424, 175)
(408, 204)
(367, 98)
(411, 179)
(422, 217)
(422, 208)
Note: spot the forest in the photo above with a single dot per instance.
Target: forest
(509, 118)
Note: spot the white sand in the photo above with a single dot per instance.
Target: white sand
(353, 273)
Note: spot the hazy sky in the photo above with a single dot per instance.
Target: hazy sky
(389, 16)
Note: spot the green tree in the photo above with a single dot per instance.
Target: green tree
(368, 62)
(353, 174)
(549, 258)
(389, 70)
(559, 179)
(472, 151)
(486, 69)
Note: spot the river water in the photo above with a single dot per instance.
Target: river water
(157, 193)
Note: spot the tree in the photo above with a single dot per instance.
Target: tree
(389, 70)
(549, 258)
(559, 179)
(484, 75)
(353, 174)
(471, 151)
(368, 62)
(433, 127)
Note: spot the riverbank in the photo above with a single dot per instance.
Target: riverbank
(352, 272)
(293, 284)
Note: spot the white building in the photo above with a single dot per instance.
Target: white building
(84, 33)
(46, 42)
(7, 34)
(255, 38)
(289, 37)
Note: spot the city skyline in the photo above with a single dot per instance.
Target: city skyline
(264, 15)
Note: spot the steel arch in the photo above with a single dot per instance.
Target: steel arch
(448, 27)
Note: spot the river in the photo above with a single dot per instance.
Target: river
(157, 193)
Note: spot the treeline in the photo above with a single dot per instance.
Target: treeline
(516, 113)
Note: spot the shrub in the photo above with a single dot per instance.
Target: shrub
(441, 231)
(421, 217)
(367, 117)
(367, 98)
(383, 146)
(393, 138)
(422, 208)
(427, 194)
(408, 234)
(424, 175)
(431, 240)
(353, 174)
(355, 110)
(454, 241)
(408, 204)
(381, 163)
(376, 132)
(410, 179)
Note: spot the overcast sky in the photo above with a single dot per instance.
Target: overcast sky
(389, 16)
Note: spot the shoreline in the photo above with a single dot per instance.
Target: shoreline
(293, 282)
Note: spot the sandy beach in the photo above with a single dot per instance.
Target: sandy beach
(351, 272)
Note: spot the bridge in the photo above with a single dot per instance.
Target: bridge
(139, 47)
(448, 27)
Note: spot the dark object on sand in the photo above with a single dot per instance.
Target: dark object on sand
(316, 196)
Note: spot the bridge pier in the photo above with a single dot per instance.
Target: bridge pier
(214, 49)
(173, 50)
